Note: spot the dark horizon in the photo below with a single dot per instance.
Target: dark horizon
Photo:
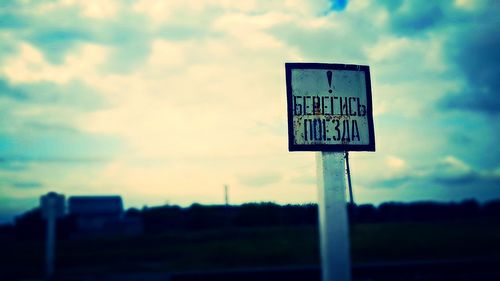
(432, 203)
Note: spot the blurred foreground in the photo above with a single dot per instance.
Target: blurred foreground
(270, 241)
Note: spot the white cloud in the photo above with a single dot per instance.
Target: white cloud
(451, 167)
(168, 54)
(249, 30)
(428, 52)
(395, 163)
(469, 5)
(94, 8)
(29, 65)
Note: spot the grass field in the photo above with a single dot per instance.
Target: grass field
(253, 247)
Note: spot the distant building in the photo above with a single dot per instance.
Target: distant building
(101, 215)
(102, 206)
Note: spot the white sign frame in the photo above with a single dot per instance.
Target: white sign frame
(353, 128)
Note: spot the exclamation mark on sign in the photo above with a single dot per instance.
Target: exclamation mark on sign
(329, 76)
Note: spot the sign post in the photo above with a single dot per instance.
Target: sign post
(334, 231)
(52, 207)
(330, 110)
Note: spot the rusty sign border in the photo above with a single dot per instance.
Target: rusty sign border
(329, 147)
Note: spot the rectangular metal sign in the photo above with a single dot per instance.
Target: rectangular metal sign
(329, 107)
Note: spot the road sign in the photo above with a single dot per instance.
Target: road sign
(330, 110)
(329, 107)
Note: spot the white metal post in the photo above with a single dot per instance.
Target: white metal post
(333, 222)
(51, 233)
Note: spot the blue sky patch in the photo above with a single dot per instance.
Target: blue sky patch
(339, 5)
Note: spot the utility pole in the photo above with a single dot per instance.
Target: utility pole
(226, 194)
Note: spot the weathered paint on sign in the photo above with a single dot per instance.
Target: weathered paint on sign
(329, 107)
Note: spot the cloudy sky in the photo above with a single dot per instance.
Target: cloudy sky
(167, 101)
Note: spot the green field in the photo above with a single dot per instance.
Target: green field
(253, 247)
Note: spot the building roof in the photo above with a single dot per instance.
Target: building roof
(95, 205)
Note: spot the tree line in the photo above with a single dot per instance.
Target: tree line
(158, 219)
(270, 214)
